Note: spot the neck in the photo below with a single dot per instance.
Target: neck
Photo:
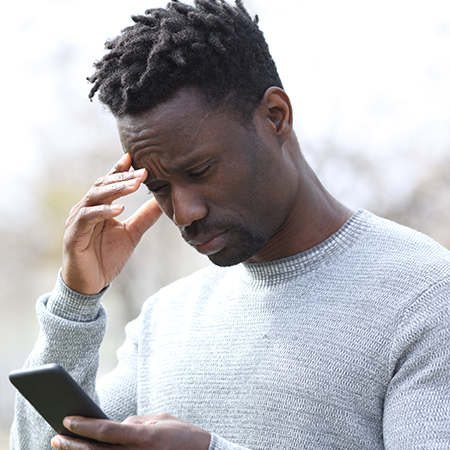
(315, 214)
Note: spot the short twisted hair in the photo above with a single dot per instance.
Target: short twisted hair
(211, 45)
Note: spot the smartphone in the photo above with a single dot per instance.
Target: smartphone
(55, 395)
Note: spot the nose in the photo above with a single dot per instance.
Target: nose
(187, 206)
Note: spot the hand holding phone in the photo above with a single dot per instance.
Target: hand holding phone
(55, 395)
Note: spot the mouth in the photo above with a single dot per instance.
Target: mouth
(211, 245)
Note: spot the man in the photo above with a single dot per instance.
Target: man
(317, 328)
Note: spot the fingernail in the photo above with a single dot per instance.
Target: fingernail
(67, 420)
(115, 207)
(55, 442)
(139, 173)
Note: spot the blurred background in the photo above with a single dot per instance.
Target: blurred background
(370, 86)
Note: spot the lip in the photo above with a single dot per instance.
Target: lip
(212, 245)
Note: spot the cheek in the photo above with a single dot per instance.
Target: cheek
(242, 193)
(251, 191)
(244, 203)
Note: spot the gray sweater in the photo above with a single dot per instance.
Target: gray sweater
(344, 346)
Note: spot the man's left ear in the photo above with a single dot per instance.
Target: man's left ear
(277, 108)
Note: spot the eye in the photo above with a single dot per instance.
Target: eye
(200, 172)
(155, 189)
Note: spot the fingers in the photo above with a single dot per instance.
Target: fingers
(66, 443)
(137, 433)
(97, 205)
(93, 208)
(123, 165)
(143, 219)
(107, 189)
(119, 181)
(102, 431)
(86, 219)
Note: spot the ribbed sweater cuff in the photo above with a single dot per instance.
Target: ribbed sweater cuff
(73, 306)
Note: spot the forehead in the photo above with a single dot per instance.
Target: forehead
(177, 129)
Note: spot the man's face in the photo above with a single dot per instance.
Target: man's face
(217, 178)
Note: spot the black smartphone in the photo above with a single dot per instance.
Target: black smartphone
(55, 395)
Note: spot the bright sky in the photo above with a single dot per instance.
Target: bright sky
(372, 76)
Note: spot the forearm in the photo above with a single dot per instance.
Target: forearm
(71, 333)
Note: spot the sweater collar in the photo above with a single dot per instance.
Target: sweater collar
(310, 260)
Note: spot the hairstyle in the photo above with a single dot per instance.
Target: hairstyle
(211, 45)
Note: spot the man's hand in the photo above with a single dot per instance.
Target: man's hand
(157, 432)
(96, 245)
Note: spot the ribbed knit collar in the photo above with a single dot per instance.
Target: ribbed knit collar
(302, 263)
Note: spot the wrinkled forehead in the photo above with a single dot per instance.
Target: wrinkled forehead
(180, 134)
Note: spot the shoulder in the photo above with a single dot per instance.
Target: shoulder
(401, 253)
(389, 271)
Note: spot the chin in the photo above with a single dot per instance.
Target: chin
(237, 254)
(224, 262)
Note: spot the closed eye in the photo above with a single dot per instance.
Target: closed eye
(155, 189)
(200, 173)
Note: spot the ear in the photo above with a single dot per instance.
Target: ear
(277, 111)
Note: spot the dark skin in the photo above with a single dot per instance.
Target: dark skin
(224, 182)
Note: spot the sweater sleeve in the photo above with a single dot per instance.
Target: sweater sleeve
(417, 402)
(72, 330)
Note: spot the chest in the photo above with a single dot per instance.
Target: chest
(235, 368)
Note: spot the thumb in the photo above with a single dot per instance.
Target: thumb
(143, 219)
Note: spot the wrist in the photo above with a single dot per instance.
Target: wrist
(79, 284)
(72, 305)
